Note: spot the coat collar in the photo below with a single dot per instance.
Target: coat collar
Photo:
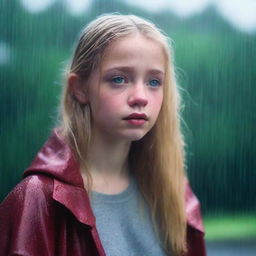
(76, 200)
(56, 159)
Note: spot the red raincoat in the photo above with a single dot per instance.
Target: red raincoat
(49, 214)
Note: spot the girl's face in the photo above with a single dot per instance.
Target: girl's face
(125, 92)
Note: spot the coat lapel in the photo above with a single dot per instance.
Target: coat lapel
(76, 200)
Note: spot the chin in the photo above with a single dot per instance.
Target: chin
(136, 139)
(135, 136)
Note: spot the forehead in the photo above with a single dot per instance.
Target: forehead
(134, 50)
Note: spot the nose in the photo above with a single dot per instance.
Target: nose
(138, 96)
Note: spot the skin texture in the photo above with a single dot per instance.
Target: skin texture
(128, 80)
(126, 83)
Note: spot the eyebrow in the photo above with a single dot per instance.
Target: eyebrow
(131, 69)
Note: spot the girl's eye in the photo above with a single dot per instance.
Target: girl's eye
(118, 80)
(154, 83)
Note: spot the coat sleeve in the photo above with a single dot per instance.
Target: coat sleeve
(26, 221)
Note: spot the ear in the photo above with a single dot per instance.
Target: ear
(76, 87)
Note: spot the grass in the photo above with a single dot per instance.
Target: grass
(230, 227)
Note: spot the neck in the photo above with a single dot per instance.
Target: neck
(108, 164)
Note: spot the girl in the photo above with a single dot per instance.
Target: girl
(110, 180)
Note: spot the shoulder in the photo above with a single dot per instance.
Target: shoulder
(26, 213)
(195, 228)
(193, 209)
(34, 188)
(31, 195)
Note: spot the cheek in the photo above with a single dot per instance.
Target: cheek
(109, 106)
(157, 103)
(109, 102)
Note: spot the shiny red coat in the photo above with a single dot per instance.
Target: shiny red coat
(49, 214)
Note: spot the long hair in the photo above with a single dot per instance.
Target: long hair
(157, 160)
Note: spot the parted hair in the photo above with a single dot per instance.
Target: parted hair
(156, 160)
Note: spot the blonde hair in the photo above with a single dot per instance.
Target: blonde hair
(157, 160)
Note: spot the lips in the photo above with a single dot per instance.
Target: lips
(136, 119)
(136, 116)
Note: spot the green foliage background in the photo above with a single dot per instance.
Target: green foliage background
(216, 68)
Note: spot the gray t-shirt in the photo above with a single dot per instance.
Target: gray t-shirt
(124, 224)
